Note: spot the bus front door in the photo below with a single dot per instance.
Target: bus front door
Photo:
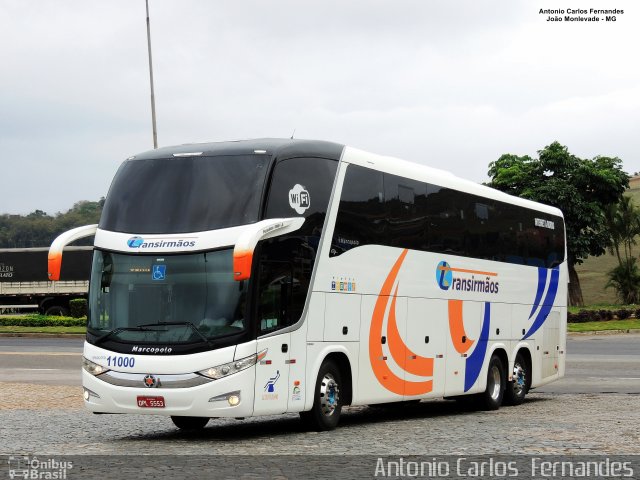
(272, 372)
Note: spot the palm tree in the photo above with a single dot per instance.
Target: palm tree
(623, 222)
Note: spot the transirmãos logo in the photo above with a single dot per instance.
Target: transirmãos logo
(465, 280)
(135, 242)
(444, 275)
(139, 242)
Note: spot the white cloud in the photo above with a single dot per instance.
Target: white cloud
(451, 84)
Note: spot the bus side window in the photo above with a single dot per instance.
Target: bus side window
(302, 187)
(405, 202)
(446, 226)
(361, 216)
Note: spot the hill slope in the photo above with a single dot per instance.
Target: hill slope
(593, 272)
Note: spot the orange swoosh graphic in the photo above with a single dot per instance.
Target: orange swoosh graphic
(381, 370)
(400, 352)
(456, 327)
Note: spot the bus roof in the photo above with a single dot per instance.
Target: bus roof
(438, 177)
(281, 148)
(277, 147)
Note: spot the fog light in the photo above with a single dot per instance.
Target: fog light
(232, 398)
(89, 393)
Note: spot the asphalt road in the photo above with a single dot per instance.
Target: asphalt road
(600, 364)
(595, 363)
(47, 361)
(50, 422)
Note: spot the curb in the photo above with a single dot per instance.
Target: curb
(606, 332)
(43, 335)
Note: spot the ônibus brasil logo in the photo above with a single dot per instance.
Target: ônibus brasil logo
(139, 242)
(465, 280)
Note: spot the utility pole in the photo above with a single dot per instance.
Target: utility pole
(153, 98)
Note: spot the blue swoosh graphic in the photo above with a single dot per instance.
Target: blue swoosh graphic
(547, 305)
(476, 359)
(542, 280)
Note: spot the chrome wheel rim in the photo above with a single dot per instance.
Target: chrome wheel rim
(329, 394)
(519, 379)
(494, 385)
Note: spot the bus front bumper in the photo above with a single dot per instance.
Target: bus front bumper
(226, 397)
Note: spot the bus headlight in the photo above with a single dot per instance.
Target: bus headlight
(93, 368)
(230, 368)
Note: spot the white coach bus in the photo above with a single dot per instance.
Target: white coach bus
(268, 276)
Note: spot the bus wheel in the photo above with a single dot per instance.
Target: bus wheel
(491, 399)
(517, 389)
(327, 404)
(190, 423)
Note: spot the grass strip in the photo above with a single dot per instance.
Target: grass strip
(50, 330)
(628, 324)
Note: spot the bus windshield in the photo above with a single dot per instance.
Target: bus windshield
(185, 194)
(169, 299)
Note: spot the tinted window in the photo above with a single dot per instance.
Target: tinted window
(166, 299)
(406, 206)
(420, 216)
(190, 194)
(445, 214)
(299, 187)
(302, 187)
(361, 216)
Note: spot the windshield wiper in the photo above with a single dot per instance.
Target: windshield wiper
(149, 328)
(185, 324)
(102, 338)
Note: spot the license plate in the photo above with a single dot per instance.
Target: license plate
(151, 402)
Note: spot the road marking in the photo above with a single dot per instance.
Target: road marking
(39, 369)
(60, 354)
(612, 378)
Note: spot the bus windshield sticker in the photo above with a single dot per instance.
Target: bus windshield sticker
(299, 199)
(159, 272)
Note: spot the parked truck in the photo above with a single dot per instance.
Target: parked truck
(24, 281)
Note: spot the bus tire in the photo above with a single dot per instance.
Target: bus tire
(491, 398)
(327, 404)
(518, 388)
(190, 423)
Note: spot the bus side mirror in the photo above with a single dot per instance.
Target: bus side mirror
(246, 244)
(54, 259)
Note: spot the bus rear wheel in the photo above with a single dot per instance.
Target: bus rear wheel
(190, 423)
(491, 398)
(327, 404)
(518, 388)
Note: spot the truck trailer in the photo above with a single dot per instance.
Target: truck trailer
(24, 281)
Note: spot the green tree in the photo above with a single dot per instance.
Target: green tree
(625, 279)
(37, 229)
(623, 225)
(583, 189)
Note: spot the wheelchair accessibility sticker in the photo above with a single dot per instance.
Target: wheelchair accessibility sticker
(159, 272)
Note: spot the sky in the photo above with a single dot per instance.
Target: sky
(451, 84)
